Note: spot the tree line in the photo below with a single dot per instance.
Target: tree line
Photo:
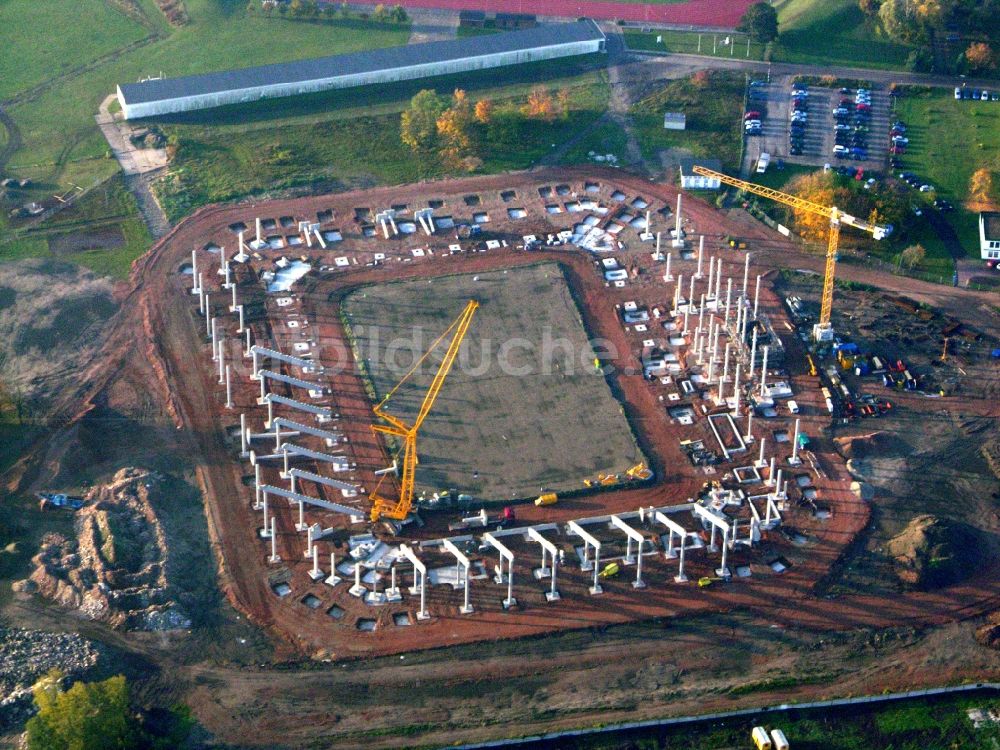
(456, 131)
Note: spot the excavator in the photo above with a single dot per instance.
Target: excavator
(398, 509)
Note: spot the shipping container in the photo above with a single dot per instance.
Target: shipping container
(760, 738)
(779, 739)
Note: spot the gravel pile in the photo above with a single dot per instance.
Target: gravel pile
(26, 655)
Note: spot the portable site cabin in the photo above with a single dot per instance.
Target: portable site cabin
(779, 740)
(760, 738)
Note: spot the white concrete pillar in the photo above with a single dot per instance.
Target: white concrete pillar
(596, 587)
(770, 473)
(760, 458)
(247, 351)
(725, 361)
(275, 558)
(722, 388)
(222, 366)
(232, 307)
(267, 532)
(315, 573)
(301, 525)
(638, 583)
(795, 460)
(466, 608)
(195, 279)
(243, 434)
(746, 275)
(763, 372)
(777, 482)
(227, 273)
(677, 292)
(259, 238)
(677, 222)
(229, 388)
(667, 276)
(701, 311)
(729, 294)
(215, 341)
(691, 293)
(748, 438)
(257, 488)
(687, 313)
(756, 298)
(753, 352)
(718, 278)
(701, 251)
(711, 274)
(239, 309)
(333, 579)
(736, 392)
(357, 589)
(208, 317)
(201, 295)
(681, 577)
(723, 570)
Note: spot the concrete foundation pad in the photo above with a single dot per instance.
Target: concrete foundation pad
(680, 579)
(375, 598)
(466, 610)
(274, 559)
(638, 584)
(541, 573)
(595, 590)
(358, 591)
(794, 461)
(332, 580)
(316, 575)
(422, 616)
(508, 603)
(670, 554)
(393, 595)
(723, 573)
(552, 597)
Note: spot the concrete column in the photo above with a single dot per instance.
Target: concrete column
(466, 608)
(763, 372)
(687, 313)
(723, 570)
(718, 278)
(423, 614)
(215, 340)
(746, 275)
(243, 434)
(301, 525)
(753, 352)
(677, 291)
(553, 595)
(259, 238)
(229, 388)
(756, 298)
(795, 460)
(267, 532)
(701, 251)
(680, 577)
(667, 276)
(711, 273)
(760, 458)
(195, 278)
(239, 309)
(275, 558)
(691, 293)
(232, 307)
(736, 392)
(638, 583)
(201, 295)
(208, 316)
(725, 361)
(247, 352)
(596, 588)
(748, 438)
(770, 473)
(357, 589)
(333, 579)
(257, 490)
(222, 366)
(712, 546)
(722, 386)
(315, 573)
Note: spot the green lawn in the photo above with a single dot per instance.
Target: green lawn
(949, 140)
(69, 148)
(42, 39)
(341, 146)
(833, 31)
(694, 43)
(713, 112)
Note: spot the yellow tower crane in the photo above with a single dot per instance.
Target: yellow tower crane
(398, 509)
(822, 331)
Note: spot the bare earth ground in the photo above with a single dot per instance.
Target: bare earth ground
(154, 370)
(496, 432)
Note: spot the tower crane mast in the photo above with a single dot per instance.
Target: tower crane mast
(383, 507)
(823, 330)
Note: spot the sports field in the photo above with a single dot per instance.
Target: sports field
(509, 421)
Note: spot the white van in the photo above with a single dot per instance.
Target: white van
(793, 407)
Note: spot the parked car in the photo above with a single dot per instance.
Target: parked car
(985, 97)
(900, 140)
(841, 152)
(958, 92)
(926, 188)
(753, 114)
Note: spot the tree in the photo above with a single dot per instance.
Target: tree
(980, 56)
(88, 716)
(912, 256)
(540, 105)
(910, 20)
(818, 187)
(982, 192)
(562, 103)
(418, 124)
(484, 111)
(761, 22)
(869, 7)
(453, 131)
(398, 14)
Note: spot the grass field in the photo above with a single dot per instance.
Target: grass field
(906, 725)
(73, 36)
(713, 105)
(694, 43)
(833, 31)
(70, 148)
(941, 128)
(337, 139)
(509, 420)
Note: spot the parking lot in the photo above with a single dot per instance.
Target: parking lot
(774, 101)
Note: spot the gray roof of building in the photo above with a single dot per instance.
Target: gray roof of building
(686, 164)
(991, 225)
(360, 62)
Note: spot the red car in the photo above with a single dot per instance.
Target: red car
(753, 115)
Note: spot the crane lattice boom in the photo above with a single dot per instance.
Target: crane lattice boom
(836, 218)
(399, 509)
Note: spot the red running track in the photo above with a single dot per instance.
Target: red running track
(724, 13)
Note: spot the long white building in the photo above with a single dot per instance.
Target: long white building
(545, 42)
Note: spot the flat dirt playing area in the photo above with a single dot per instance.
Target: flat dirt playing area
(524, 410)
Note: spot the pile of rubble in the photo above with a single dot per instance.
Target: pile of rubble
(115, 567)
(27, 655)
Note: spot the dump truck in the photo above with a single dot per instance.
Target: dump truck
(549, 498)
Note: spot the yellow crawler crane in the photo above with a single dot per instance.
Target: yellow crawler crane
(822, 331)
(398, 509)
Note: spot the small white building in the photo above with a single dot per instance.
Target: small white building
(692, 181)
(674, 121)
(546, 42)
(989, 236)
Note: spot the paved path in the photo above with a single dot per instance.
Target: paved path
(140, 166)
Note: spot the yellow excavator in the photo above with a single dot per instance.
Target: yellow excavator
(383, 507)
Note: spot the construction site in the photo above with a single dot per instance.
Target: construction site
(499, 407)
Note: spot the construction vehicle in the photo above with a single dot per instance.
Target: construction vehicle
(705, 581)
(736, 243)
(549, 498)
(823, 330)
(48, 500)
(610, 570)
(482, 519)
(383, 507)
(639, 472)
